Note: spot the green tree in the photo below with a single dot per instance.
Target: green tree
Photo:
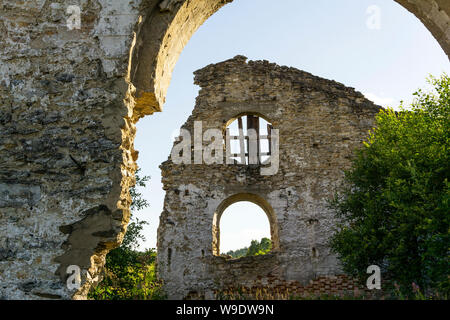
(126, 254)
(237, 253)
(256, 248)
(253, 249)
(259, 248)
(394, 208)
(265, 245)
(129, 273)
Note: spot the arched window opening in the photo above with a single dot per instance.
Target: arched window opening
(244, 230)
(249, 139)
(244, 225)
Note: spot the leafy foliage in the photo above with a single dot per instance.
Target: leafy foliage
(394, 209)
(134, 280)
(129, 273)
(134, 229)
(238, 253)
(256, 248)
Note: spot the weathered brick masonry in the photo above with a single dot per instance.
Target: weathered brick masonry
(69, 101)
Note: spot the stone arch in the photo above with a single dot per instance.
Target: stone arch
(162, 34)
(94, 157)
(161, 31)
(167, 26)
(250, 197)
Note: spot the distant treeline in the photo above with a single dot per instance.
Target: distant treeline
(256, 248)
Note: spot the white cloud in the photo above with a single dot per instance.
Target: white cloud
(382, 101)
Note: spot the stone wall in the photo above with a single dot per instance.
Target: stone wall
(66, 142)
(271, 287)
(69, 101)
(320, 124)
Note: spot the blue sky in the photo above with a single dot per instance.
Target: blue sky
(327, 38)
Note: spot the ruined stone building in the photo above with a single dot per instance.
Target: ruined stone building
(320, 123)
(69, 102)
